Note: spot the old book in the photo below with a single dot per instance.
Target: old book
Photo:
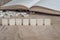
(2, 2)
(46, 6)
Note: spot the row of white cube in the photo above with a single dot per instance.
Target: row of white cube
(26, 21)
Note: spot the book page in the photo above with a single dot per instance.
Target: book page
(27, 3)
(52, 4)
(2, 2)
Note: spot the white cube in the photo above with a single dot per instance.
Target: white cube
(25, 21)
(4, 21)
(39, 22)
(47, 21)
(33, 22)
(18, 21)
(11, 21)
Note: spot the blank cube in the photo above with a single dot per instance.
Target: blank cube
(33, 22)
(18, 21)
(25, 21)
(11, 21)
(47, 21)
(4, 21)
(39, 22)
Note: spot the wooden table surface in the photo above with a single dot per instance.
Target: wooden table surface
(51, 32)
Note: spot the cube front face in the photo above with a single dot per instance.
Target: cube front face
(18, 21)
(25, 21)
(11, 21)
(39, 22)
(47, 22)
(4, 22)
(33, 22)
